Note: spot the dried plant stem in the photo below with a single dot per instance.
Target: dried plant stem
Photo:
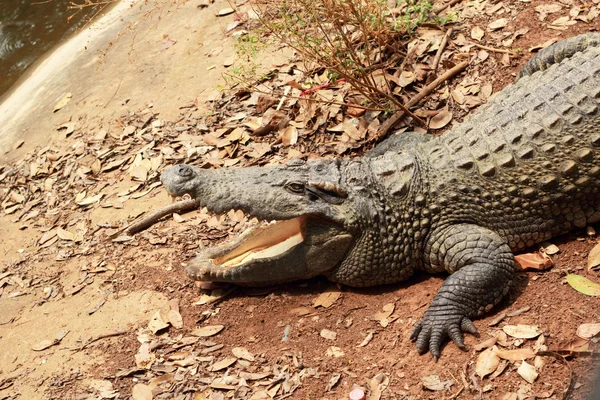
(152, 218)
(393, 120)
(349, 38)
(149, 220)
(440, 51)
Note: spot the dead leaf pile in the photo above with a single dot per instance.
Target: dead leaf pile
(209, 367)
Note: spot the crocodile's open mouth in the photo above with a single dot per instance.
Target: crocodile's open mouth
(274, 252)
(265, 241)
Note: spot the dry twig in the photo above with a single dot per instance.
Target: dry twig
(149, 220)
(438, 55)
(393, 120)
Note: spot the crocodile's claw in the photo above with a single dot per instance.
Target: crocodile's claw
(430, 332)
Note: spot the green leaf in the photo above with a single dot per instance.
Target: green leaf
(583, 285)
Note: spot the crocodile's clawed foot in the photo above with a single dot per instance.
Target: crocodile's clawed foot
(430, 332)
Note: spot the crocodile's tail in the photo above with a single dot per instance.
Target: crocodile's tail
(557, 52)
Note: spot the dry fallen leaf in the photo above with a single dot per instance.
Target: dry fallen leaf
(206, 331)
(433, 382)
(486, 91)
(501, 367)
(216, 294)
(89, 200)
(46, 237)
(486, 344)
(527, 372)
(378, 384)
(533, 261)
(224, 363)
(594, 257)
(333, 381)
(243, 353)
(498, 24)
(225, 11)
(516, 355)
(477, 33)
(65, 235)
(334, 352)
(63, 101)
(487, 362)
(551, 249)
(366, 340)
(563, 22)
(588, 331)
(543, 45)
(157, 323)
(522, 331)
(382, 316)
(328, 297)
(178, 218)
(406, 78)
(458, 96)
(144, 358)
(141, 392)
(583, 285)
(327, 334)
(289, 136)
(175, 319)
(139, 173)
(574, 347)
(548, 8)
(441, 119)
(43, 345)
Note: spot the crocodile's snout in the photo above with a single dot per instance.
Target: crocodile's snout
(176, 179)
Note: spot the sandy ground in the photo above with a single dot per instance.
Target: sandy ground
(76, 291)
(138, 71)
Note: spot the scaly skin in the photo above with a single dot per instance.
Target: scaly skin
(522, 169)
(557, 52)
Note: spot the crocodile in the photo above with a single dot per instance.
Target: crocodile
(523, 168)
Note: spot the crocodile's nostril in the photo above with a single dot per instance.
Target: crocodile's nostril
(184, 170)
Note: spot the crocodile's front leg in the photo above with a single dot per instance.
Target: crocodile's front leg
(482, 268)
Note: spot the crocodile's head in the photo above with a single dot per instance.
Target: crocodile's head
(304, 208)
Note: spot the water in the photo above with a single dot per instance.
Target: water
(29, 28)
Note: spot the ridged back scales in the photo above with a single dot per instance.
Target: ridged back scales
(526, 165)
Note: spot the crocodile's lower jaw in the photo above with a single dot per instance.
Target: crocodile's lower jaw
(265, 241)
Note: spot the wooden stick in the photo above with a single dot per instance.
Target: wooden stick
(152, 218)
(438, 55)
(393, 120)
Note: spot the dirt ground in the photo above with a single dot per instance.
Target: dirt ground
(87, 313)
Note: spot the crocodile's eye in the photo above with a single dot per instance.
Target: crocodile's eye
(184, 171)
(295, 187)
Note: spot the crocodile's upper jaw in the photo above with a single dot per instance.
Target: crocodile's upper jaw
(277, 252)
